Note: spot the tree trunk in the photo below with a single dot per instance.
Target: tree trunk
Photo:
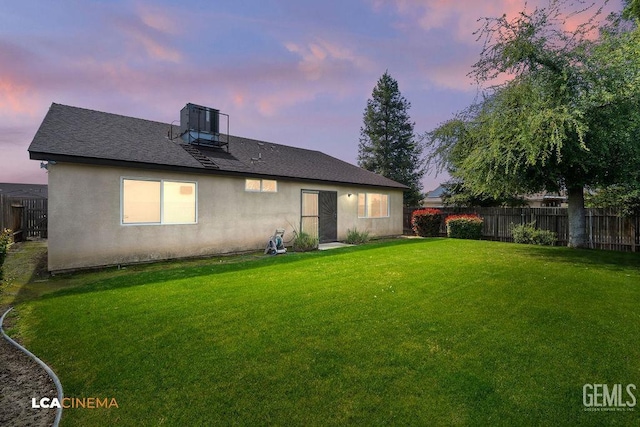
(577, 221)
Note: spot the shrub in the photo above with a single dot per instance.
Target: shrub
(426, 222)
(304, 242)
(545, 238)
(5, 239)
(522, 233)
(355, 237)
(528, 234)
(464, 226)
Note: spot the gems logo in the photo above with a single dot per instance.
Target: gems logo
(605, 397)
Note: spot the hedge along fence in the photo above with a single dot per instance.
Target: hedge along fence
(465, 226)
(426, 222)
(529, 234)
(6, 237)
(606, 228)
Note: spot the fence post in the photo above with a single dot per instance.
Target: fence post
(3, 214)
(590, 229)
(637, 229)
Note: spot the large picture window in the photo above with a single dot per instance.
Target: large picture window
(373, 205)
(158, 202)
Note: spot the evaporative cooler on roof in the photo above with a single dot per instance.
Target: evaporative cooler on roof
(201, 126)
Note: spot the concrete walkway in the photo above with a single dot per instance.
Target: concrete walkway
(332, 245)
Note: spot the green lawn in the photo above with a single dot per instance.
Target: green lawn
(413, 332)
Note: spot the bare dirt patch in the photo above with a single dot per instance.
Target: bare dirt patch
(21, 378)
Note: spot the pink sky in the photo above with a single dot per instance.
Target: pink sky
(291, 72)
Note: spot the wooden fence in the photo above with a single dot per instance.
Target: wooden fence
(26, 217)
(606, 228)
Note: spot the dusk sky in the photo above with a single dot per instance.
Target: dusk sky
(291, 72)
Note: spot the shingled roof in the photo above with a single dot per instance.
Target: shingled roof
(24, 191)
(71, 134)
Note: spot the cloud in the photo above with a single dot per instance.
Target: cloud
(321, 57)
(445, 14)
(438, 35)
(150, 30)
(313, 69)
(156, 49)
(12, 96)
(267, 91)
(158, 19)
(18, 89)
(436, 38)
(451, 76)
(465, 20)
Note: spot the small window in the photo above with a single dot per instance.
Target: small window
(158, 202)
(269, 186)
(252, 185)
(373, 205)
(261, 185)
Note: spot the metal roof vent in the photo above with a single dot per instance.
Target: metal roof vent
(201, 126)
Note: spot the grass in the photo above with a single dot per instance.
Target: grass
(416, 332)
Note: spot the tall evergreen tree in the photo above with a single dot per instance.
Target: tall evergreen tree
(387, 142)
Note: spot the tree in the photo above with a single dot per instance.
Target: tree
(387, 142)
(625, 198)
(632, 9)
(456, 194)
(567, 118)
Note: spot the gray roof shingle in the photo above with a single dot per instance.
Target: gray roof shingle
(86, 136)
(24, 191)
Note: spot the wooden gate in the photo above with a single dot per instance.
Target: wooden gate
(34, 223)
(26, 217)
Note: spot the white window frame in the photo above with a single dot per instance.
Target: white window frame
(161, 181)
(366, 205)
(262, 190)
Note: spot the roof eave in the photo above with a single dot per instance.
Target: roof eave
(39, 155)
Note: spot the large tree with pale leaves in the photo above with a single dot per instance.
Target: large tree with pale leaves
(567, 117)
(388, 145)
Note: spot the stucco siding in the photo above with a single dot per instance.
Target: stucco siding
(85, 228)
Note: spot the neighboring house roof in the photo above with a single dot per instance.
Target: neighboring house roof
(72, 134)
(546, 196)
(438, 192)
(24, 191)
(435, 197)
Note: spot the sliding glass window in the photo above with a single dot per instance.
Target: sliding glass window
(158, 202)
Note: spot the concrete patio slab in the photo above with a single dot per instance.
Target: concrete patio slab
(332, 245)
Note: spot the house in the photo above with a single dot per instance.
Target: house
(125, 190)
(23, 191)
(546, 200)
(433, 199)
